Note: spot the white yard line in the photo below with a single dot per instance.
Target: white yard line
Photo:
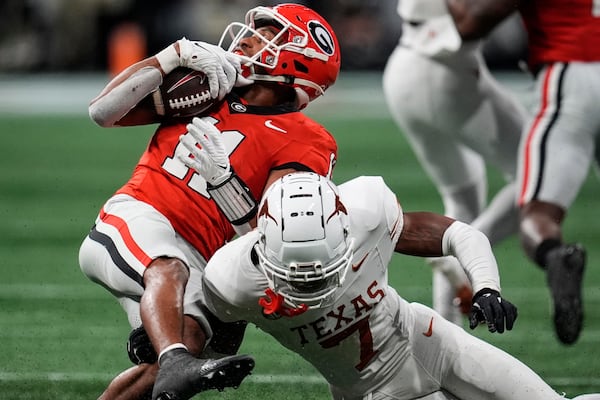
(84, 291)
(37, 291)
(8, 376)
(355, 94)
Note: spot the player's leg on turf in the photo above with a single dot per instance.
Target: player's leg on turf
(181, 376)
(555, 155)
(138, 381)
(469, 367)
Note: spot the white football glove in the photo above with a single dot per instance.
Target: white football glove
(210, 160)
(219, 66)
(222, 68)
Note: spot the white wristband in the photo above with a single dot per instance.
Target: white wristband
(474, 252)
(168, 59)
(171, 347)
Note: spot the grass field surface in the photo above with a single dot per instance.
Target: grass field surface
(63, 337)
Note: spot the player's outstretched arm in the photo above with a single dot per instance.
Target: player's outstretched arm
(120, 103)
(117, 104)
(432, 235)
(474, 19)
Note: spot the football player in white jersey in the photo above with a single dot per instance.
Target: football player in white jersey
(457, 118)
(314, 276)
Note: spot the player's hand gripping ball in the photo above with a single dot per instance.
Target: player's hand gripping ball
(184, 93)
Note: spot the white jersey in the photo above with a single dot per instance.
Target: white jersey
(377, 217)
(369, 342)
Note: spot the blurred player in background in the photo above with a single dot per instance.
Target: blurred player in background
(158, 230)
(559, 142)
(314, 276)
(457, 118)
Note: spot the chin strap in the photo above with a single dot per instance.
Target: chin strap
(274, 305)
(288, 80)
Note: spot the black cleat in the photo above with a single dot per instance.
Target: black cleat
(181, 375)
(565, 267)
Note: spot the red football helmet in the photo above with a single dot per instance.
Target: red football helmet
(304, 53)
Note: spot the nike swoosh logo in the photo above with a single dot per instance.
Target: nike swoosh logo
(355, 267)
(186, 79)
(430, 330)
(269, 124)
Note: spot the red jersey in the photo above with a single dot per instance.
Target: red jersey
(258, 139)
(562, 31)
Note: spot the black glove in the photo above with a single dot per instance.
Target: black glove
(139, 347)
(488, 307)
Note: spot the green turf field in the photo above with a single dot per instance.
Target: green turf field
(63, 337)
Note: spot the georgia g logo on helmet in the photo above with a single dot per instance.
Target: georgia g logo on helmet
(322, 37)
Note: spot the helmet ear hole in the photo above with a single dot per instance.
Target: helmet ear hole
(300, 67)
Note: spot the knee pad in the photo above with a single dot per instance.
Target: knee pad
(139, 347)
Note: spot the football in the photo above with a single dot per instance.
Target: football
(183, 93)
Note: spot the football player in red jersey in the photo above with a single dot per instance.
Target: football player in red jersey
(559, 143)
(166, 221)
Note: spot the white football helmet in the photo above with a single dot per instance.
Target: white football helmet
(303, 54)
(304, 247)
